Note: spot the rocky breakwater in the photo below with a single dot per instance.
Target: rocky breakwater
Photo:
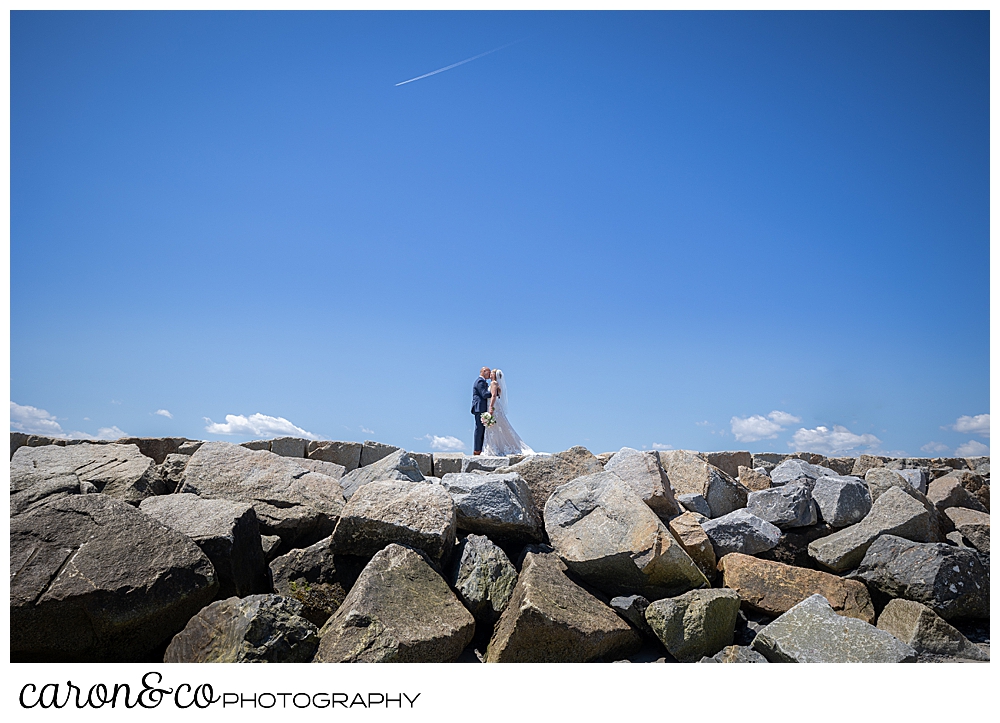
(289, 550)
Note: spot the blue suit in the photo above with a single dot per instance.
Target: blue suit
(480, 404)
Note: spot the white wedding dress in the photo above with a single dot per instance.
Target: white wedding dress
(501, 439)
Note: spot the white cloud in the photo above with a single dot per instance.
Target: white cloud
(979, 424)
(164, 413)
(757, 427)
(972, 448)
(366, 430)
(783, 418)
(32, 420)
(662, 446)
(110, 433)
(934, 447)
(445, 444)
(257, 425)
(826, 441)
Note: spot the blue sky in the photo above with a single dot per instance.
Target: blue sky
(763, 231)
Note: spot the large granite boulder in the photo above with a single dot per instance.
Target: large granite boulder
(484, 579)
(31, 487)
(330, 469)
(695, 624)
(785, 506)
(443, 463)
(881, 479)
(289, 446)
(425, 462)
(254, 629)
(346, 454)
(632, 608)
(372, 452)
(399, 611)
(793, 469)
(225, 531)
(926, 632)
(171, 471)
(953, 581)
(753, 479)
(948, 491)
(396, 465)
(729, 462)
(643, 472)
(312, 576)
(415, 514)
(117, 470)
(916, 477)
(690, 474)
(975, 483)
(551, 619)
(897, 512)
(482, 463)
(93, 579)
(974, 526)
(841, 501)
(696, 543)
(866, 462)
(735, 654)
(773, 588)
(793, 547)
(741, 531)
(543, 473)
(608, 536)
(498, 505)
(290, 501)
(812, 632)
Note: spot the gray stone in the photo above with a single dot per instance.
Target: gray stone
(117, 470)
(484, 579)
(866, 462)
(735, 654)
(643, 472)
(603, 457)
(880, 479)
(741, 531)
(948, 492)
(415, 514)
(189, 447)
(330, 469)
(482, 463)
(172, 471)
(695, 624)
(729, 462)
(633, 609)
(372, 452)
(916, 477)
(256, 629)
(227, 532)
(397, 465)
(767, 461)
(896, 512)
(257, 445)
(841, 501)
(346, 454)
(690, 474)
(95, 580)
(957, 539)
(926, 632)
(811, 632)
(311, 576)
(789, 505)
(611, 539)
(289, 446)
(425, 462)
(979, 465)
(399, 611)
(447, 463)
(695, 503)
(297, 505)
(544, 473)
(270, 544)
(30, 487)
(550, 619)
(950, 580)
(498, 505)
(156, 448)
(843, 466)
(973, 525)
(793, 469)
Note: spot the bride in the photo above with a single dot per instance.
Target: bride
(501, 439)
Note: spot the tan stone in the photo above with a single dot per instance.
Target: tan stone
(695, 542)
(974, 526)
(754, 480)
(544, 473)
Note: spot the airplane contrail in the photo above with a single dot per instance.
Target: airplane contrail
(460, 62)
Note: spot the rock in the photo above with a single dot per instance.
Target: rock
(227, 532)
(643, 472)
(372, 452)
(773, 588)
(189, 447)
(498, 505)
(543, 473)
(399, 611)
(843, 466)
(30, 487)
(346, 454)
(864, 463)
(979, 465)
(690, 474)
(729, 462)
(270, 544)
(926, 632)
(793, 469)
(916, 477)
(977, 485)
(397, 465)
(172, 471)
(425, 463)
(289, 447)
(973, 525)
(95, 580)
(841, 501)
(632, 608)
(957, 539)
(603, 457)
(789, 505)
(768, 461)
(117, 470)
(446, 463)
(415, 514)
(754, 480)
(741, 531)
(880, 479)
(297, 505)
(695, 624)
(17, 440)
(811, 632)
(484, 579)
(310, 575)
(610, 538)
(948, 492)
(793, 547)
(896, 512)
(484, 464)
(156, 448)
(550, 619)
(950, 580)
(696, 543)
(257, 445)
(735, 654)
(255, 629)
(695, 503)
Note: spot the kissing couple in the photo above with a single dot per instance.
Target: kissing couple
(494, 434)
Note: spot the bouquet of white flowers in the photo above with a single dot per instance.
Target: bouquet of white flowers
(487, 419)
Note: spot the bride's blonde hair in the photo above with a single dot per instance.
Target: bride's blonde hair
(499, 374)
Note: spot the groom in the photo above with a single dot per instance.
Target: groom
(480, 404)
